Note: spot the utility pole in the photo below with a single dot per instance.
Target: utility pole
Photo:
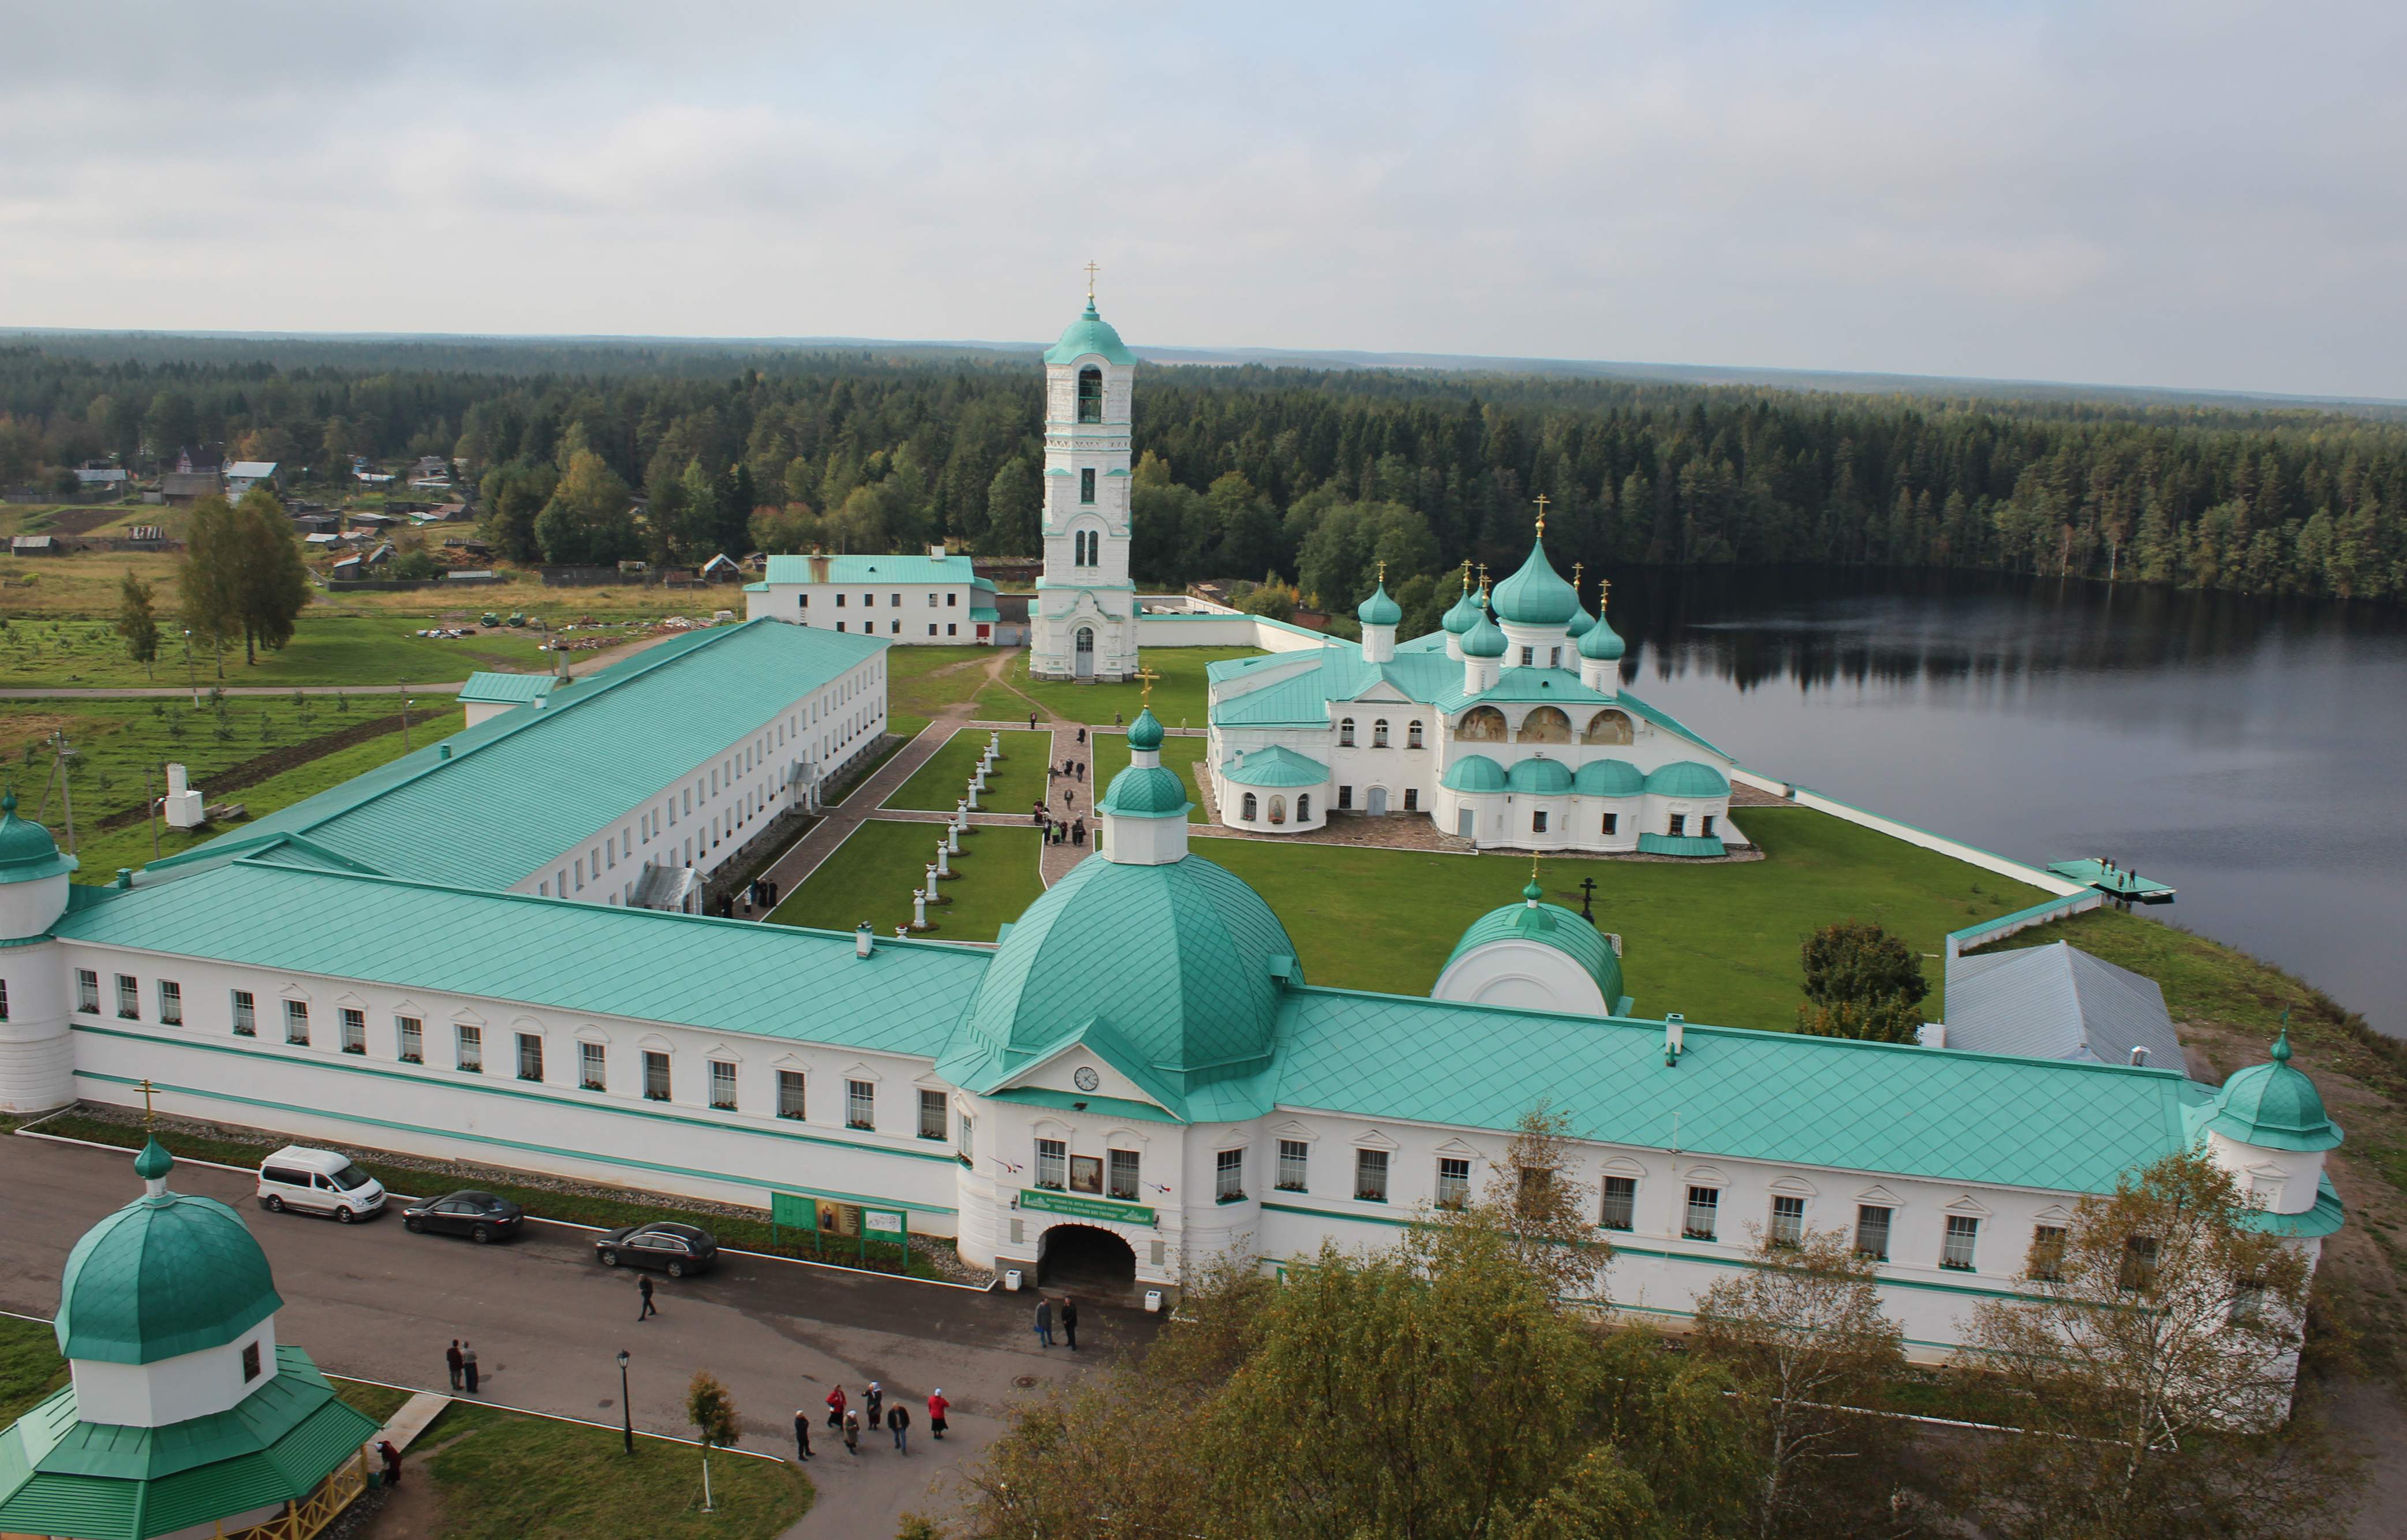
(153, 800)
(404, 717)
(66, 798)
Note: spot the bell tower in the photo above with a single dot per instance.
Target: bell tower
(1083, 624)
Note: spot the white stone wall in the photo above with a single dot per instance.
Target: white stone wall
(928, 615)
(173, 1389)
(36, 1057)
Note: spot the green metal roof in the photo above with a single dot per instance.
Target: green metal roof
(484, 689)
(1536, 686)
(1379, 609)
(1581, 622)
(869, 571)
(592, 958)
(2273, 1107)
(1687, 779)
(1462, 614)
(1275, 767)
(61, 1476)
(1146, 791)
(1546, 925)
(1483, 640)
(1601, 643)
(1536, 594)
(159, 1277)
(493, 814)
(1680, 845)
(1145, 732)
(1089, 335)
(1175, 962)
(1476, 773)
(27, 852)
(1608, 779)
(1539, 777)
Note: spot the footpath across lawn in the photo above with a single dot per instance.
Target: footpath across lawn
(1180, 695)
(1017, 781)
(871, 875)
(1717, 941)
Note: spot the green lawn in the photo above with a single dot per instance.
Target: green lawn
(1015, 784)
(1178, 694)
(31, 1369)
(871, 875)
(1184, 755)
(103, 854)
(1717, 942)
(920, 681)
(325, 650)
(509, 1477)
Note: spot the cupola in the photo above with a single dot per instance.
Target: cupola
(1461, 617)
(1380, 616)
(1143, 811)
(1601, 649)
(32, 876)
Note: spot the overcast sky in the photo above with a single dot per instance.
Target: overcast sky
(2185, 193)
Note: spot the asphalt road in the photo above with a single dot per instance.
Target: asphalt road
(374, 1302)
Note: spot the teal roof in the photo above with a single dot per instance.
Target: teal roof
(1744, 1094)
(1379, 609)
(1172, 965)
(1608, 779)
(1476, 773)
(1548, 925)
(1680, 845)
(1146, 791)
(1688, 778)
(27, 852)
(1275, 768)
(1483, 640)
(1581, 622)
(589, 959)
(871, 570)
(1526, 687)
(1536, 594)
(1145, 732)
(1462, 615)
(1089, 335)
(159, 1277)
(491, 814)
(1601, 643)
(2273, 1107)
(60, 1474)
(507, 688)
(1540, 777)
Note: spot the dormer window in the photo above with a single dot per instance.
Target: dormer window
(1090, 394)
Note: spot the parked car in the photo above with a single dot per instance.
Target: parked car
(317, 1181)
(675, 1248)
(479, 1216)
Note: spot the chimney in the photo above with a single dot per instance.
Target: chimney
(862, 939)
(937, 551)
(1674, 1037)
(2139, 1054)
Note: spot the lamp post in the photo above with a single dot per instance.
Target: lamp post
(192, 670)
(628, 1411)
(404, 719)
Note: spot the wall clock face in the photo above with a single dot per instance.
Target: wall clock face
(1087, 1078)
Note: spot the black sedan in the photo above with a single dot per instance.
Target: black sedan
(479, 1216)
(675, 1248)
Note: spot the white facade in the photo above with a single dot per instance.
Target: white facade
(1082, 623)
(911, 601)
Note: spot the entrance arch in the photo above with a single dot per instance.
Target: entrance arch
(1085, 1258)
(1083, 644)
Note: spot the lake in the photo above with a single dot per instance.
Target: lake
(2248, 751)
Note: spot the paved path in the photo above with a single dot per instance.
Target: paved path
(374, 1302)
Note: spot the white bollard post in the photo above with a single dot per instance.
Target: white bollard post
(919, 909)
(944, 864)
(953, 839)
(932, 878)
(974, 789)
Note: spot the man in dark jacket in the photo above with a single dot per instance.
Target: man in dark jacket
(644, 1287)
(1043, 1322)
(898, 1421)
(1070, 1321)
(452, 1361)
(802, 1434)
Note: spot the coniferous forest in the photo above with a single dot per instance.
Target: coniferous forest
(595, 451)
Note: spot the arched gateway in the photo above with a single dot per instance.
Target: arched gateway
(1085, 1258)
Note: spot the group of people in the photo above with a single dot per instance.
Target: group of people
(1065, 830)
(1058, 830)
(1067, 1316)
(461, 1359)
(848, 1420)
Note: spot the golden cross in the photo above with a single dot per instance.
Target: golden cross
(1466, 575)
(1091, 283)
(1145, 692)
(1483, 579)
(1577, 569)
(149, 1118)
(1383, 572)
(1542, 516)
(1603, 593)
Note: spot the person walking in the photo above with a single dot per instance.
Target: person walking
(391, 1458)
(644, 1287)
(468, 1364)
(898, 1422)
(1070, 1321)
(1043, 1322)
(452, 1361)
(835, 1407)
(937, 1407)
(872, 1402)
(801, 1434)
(852, 1431)
(1032, 722)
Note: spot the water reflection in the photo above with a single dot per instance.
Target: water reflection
(2243, 749)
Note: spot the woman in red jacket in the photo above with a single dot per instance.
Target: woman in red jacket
(835, 1407)
(938, 1406)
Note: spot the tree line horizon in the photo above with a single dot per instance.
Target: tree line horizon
(1312, 476)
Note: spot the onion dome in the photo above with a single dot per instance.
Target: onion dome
(1483, 640)
(1462, 615)
(1380, 610)
(27, 852)
(1145, 732)
(1581, 622)
(2273, 1107)
(1089, 337)
(1474, 773)
(1536, 595)
(1548, 925)
(168, 1273)
(1601, 643)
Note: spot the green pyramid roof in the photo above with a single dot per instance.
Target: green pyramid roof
(162, 1277)
(2273, 1107)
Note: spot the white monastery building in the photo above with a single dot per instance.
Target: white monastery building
(463, 955)
(928, 601)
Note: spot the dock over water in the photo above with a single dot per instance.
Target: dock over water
(2114, 880)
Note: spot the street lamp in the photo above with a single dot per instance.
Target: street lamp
(624, 1408)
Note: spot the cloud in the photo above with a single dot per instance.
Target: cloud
(2195, 194)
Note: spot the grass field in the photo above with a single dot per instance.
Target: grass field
(1015, 784)
(1717, 942)
(1184, 755)
(1178, 694)
(325, 650)
(871, 875)
(921, 682)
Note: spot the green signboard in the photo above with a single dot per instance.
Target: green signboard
(1084, 1208)
(792, 1211)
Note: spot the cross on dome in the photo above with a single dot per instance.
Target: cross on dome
(1542, 515)
(1090, 285)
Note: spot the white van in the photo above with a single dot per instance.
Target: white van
(317, 1181)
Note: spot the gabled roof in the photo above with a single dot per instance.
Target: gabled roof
(484, 689)
(872, 569)
(2057, 1002)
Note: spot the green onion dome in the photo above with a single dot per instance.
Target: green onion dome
(1474, 773)
(1548, 925)
(1581, 622)
(2273, 1107)
(27, 852)
(1089, 335)
(1462, 615)
(1483, 640)
(1379, 609)
(1601, 643)
(1145, 790)
(1537, 594)
(1145, 732)
(168, 1273)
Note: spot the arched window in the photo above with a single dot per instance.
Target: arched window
(1303, 809)
(1278, 809)
(1413, 735)
(1248, 813)
(1090, 394)
(1380, 733)
(1345, 733)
